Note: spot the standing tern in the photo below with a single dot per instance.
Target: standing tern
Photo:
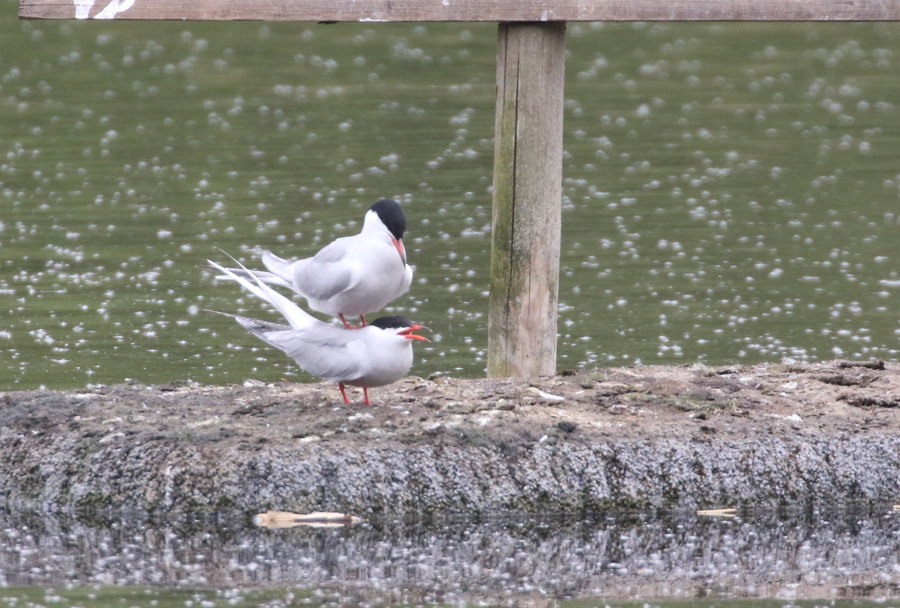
(379, 353)
(351, 276)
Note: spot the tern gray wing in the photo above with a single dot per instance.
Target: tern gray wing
(327, 352)
(324, 351)
(335, 251)
(324, 275)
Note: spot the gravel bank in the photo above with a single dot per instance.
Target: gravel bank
(664, 437)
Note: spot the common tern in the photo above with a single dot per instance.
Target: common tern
(351, 276)
(375, 355)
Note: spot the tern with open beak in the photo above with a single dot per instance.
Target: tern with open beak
(351, 276)
(375, 355)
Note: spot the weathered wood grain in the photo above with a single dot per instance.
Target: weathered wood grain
(473, 10)
(527, 200)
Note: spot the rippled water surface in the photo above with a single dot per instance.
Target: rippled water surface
(847, 559)
(730, 190)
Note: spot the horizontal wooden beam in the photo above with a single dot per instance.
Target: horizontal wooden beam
(466, 10)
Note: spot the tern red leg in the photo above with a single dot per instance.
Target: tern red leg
(343, 393)
(348, 326)
(366, 395)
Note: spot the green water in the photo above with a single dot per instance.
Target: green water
(730, 190)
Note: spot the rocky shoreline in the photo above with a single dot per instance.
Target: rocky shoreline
(694, 437)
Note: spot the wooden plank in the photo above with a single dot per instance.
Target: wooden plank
(527, 209)
(469, 10)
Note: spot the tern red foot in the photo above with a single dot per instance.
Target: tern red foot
(347, 401)
(343, 393)
(348, 326)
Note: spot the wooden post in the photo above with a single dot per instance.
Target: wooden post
(527, 200)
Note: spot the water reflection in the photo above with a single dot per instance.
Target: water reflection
(502, 560)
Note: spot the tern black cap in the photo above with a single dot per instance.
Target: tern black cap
(391, 215)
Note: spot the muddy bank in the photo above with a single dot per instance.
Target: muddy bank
(665, 437)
